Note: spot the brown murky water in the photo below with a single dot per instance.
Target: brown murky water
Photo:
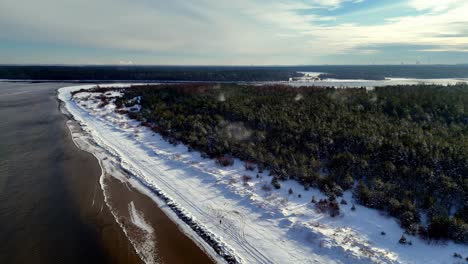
(51, 204)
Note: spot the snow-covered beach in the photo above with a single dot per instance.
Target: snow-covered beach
(247, 220)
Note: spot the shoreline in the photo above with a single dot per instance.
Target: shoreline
(121, 176)
(112, 237)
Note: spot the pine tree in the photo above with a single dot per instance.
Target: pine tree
(402, 240)
(313, 200)
(275, 183)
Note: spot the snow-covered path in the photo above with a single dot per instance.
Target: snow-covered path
(257, 226)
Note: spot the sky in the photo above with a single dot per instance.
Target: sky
(234, 32)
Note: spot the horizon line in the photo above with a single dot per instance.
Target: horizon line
(219, 65)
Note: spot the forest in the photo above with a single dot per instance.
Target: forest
(148, 73)
(400, 149)
(227, 73)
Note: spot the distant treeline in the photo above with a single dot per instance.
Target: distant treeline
(402, 149)
(228, 73)
(380, 72)
(147, 73)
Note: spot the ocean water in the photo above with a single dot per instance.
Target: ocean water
(40, 222)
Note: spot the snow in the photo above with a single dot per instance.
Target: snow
(145, 244)
(138, 219)
(312, 74)
(358, 83)
(253, 224)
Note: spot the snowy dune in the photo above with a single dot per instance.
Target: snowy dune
(251, 222)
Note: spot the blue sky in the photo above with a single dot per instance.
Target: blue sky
(241, 32)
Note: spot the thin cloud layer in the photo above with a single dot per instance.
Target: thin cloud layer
(233, 32)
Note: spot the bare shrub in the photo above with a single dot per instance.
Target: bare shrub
(225, 160)
(246, 179)
(104, 101)
(250, 166)
(266, 187)
(232, 181)
(146, 124)
(122, 112)
(275, 183)
(327, 206)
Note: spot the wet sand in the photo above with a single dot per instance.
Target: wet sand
(83, 176)
(52, 208)
(172, 245)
